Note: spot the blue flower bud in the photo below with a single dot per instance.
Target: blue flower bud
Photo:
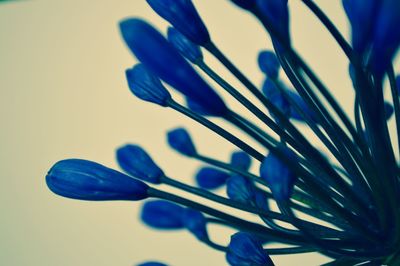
(162, 59)
(183, 16)
(246, 249)
(152, 263)
(269, 88)
(136, 162)
(388, 110)
(197, 108)
(195, 222)
(187, 48)
(276, 11)
(245, 4)
(362, 15)
(269, 64)
(386, 40)
(146, 86)
(278, 176)
(295, 97)
(180, 140)
(211, 178)
(240, 189)
(261, 200)
(281, 103)
(241, 160)
(161, 214)
(86, 180)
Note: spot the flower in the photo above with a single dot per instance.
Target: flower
(86, 180)
(180, 140)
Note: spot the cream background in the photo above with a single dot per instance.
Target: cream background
(63, 94)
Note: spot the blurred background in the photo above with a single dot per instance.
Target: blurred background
(63, 94)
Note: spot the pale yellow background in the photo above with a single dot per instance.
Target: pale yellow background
(63, 94)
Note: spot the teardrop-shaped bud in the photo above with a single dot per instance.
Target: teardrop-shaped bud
(245, 4)
(261, 200)
(279, 177)
(241, 160)
(184, 17)
(269, 64)
(240, 189)
(269, 88)
(295, 97)
(246, 249)
(362, 16)
(186, 47)
(162, 59)
(136, 161)
(179, 139)
(276, 11)
(152, 263)
(146, 86)
(386, 40)
(161, 214)
(211, 178)
(87, 180)
(195, 222)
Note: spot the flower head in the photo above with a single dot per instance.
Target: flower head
(86, 180)
(246, 249)
(134, 160)
(180, 140)
(187, 48)
(146, 86)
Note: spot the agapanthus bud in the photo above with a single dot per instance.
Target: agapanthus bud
(386, 40)
(162, 59)
(279, 177)
(269, 88)
(269, 64)
(163, 214)
(183, 16)
(276, 11)
(86, 180)
(197, 108)
(186, 47)
(211, 178)
(195, 222)
(240, 189)
(362, 15)
(136, 162)
(241, 160)
(246, 249)
(389, 110)
(295, 97)
(261, 200)
(180, 140)
(152, 263)
(146, 86)
(245, 4)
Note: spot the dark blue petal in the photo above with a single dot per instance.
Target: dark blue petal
(241, 160)
(278, 176)
(162, 59)
(163, 214)
(187, 48)
(269, 64)
(146, 86)
(136, 162)
(245, 4)
(195, 222)
(362, 16)
(152, 263)
(180, 140)
(86, 180)
(248, 250)
(183, 16)
(210, 178)
(386, 38)
(388, 110)
(240, 189)
(276, 11)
